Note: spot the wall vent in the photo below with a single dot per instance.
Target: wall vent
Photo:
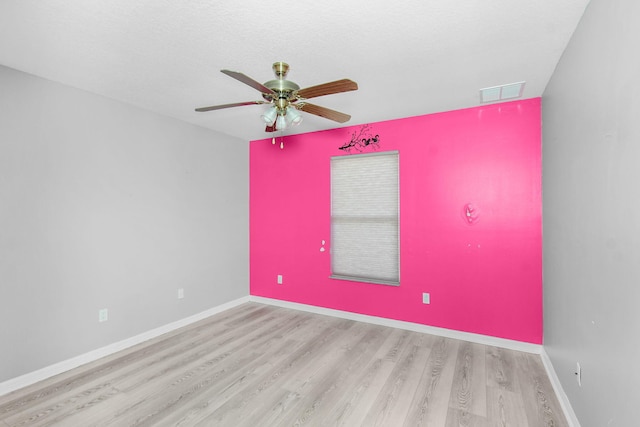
(500, 93)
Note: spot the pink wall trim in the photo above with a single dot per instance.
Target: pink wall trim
(484, 277)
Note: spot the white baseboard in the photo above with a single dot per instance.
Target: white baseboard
(416, 327)
(557, 387)
(66, 365)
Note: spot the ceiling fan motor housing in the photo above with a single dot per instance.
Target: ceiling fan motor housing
(284, 89)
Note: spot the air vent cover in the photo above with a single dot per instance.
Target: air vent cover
(500, 93)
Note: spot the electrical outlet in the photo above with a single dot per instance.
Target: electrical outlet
(103, 315)
(180, 293)
(579, 374)
(279, 279)
(426, 298)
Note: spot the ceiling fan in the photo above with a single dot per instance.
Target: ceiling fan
(287, 99)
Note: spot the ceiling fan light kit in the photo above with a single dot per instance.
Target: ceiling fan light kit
(286, 99)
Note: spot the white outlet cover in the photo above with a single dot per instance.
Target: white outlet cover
(426, 298)
(279, 279)
(103, 315)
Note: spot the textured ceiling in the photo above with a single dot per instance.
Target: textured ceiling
(408, 57)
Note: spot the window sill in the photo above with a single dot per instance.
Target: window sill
(364, 280)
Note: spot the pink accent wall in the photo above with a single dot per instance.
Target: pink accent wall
(484, 276)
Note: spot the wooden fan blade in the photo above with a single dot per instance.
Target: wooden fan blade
(344, 85)
(248, 81)
(270, 129)
(235, 104)
(327, 113)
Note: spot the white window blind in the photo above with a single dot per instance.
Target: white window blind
(364, 218)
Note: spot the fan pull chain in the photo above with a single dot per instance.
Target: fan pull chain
(273, 140)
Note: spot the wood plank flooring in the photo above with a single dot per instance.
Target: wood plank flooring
(258, 365)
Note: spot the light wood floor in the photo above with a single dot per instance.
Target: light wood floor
(258, 365)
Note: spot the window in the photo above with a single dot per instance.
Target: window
(364, 218)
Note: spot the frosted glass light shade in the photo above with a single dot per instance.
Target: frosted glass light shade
(293, 116)
(281, 123)
(270, 115)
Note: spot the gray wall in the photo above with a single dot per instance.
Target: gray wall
(591, 212)
(103, 205)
